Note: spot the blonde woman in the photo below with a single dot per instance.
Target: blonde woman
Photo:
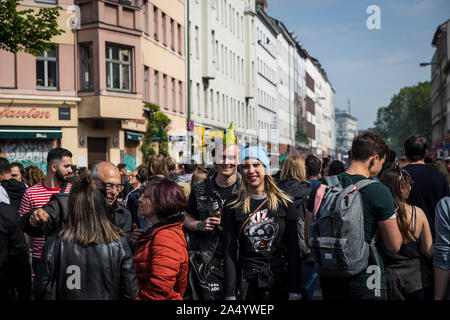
(157, 166)
(294, 183)
(259, 222)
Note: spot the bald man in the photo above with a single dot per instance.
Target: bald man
(51, 216)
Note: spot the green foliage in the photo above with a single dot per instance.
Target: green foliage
(301, 136)
(408, 113)
(26, 30)
(157, 131)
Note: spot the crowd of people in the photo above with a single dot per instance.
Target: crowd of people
(377, 228)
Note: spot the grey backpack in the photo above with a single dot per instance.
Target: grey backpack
(337, 229)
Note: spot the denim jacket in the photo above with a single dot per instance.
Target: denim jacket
(441, 256)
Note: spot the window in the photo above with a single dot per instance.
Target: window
(155, 23)
(174, 97)
(146, 70)
(172, 34)
(217, 103)
(197, 49)
(156, 87)
(212, 103)
(217, 55)
(198, 99)
(180, 43)
(47, 70)
(213, 46)
(164, 92)
(180, 93)
(86, 67)
(164, 29)
(118, 68)
(144, 18)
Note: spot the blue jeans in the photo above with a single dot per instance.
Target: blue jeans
(309, 279)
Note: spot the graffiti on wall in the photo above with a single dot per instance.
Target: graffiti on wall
(27, 152)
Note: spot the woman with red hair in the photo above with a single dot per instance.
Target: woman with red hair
(161, 258)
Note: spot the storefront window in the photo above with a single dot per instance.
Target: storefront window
(47, 70)
(118, 68)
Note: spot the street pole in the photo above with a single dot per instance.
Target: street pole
(188, 82)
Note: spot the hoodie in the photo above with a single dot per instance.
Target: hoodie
(15, 190)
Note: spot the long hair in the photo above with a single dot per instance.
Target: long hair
(394, 178)
(157, 166)
(89, 220)
(34, 175)
(274, 194)
(293, 168)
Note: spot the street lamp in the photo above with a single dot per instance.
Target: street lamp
(424, 64)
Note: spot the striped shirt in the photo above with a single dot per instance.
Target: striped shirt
(34, 198)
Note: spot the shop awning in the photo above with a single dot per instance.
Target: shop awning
(30, 133)
(134, 136)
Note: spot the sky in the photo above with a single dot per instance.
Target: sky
(366, 66)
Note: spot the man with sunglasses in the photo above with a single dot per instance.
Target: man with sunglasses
(51, 216)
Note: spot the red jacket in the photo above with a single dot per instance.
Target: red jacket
(161, 262)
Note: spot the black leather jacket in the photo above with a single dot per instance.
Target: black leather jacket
(57, 209)
(98, 272)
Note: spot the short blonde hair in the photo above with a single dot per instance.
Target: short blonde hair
(293, 168)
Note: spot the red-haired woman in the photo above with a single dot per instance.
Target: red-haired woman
(161, 258)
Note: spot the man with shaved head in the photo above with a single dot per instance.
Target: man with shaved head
(51, 216)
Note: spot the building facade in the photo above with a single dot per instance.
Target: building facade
(285, 89)
(440, 93)
(88, 94)
(222, 71)
(266, 79)
(38, 98)
(345, 132)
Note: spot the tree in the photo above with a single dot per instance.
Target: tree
(157, 131)
(301, 136)
(408, 113)
(27, 30)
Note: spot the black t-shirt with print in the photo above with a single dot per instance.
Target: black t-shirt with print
(378, 205)
(268, 239)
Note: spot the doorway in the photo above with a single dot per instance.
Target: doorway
(97, 149)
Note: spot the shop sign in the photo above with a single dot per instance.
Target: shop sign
(134, 124)
(176, 138)
(33, 113)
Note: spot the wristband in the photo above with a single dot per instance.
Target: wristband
(200, 225)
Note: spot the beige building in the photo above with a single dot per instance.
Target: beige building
(88, 94)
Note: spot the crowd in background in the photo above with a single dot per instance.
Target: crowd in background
(235, 229)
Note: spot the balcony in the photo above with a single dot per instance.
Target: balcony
(111, 107)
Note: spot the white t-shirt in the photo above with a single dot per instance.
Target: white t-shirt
(4, 195)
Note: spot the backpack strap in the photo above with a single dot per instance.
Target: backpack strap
(332, 181)
(375, 251)
(249, 217)
(63, 187)
(364, 183)
(320, 192)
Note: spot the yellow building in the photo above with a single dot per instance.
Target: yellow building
(88, 94)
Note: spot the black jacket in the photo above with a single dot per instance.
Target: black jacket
(15, 270)
(57, 209)
(15, 190)
(300, 191)
(205, 248)
(98, 272)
